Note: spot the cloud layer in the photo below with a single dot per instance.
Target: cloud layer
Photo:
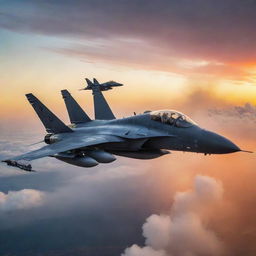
(120, 196)
(23, 199)
(176, 24)
(184, 231)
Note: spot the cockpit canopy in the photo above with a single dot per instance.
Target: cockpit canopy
(172, 117)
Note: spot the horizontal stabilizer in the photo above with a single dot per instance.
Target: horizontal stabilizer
(51, 122)
(75, 112)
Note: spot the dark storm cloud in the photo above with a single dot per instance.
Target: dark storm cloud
(204, 29)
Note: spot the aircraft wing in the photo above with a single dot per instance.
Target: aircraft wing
(64, 145)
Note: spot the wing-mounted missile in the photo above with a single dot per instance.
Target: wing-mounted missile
(20, 164)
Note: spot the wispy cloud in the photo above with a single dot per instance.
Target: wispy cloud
(166, 35)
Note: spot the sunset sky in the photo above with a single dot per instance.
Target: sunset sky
(196, 56)
(162, 50)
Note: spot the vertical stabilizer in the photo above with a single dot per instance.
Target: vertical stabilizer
(102, 110)
(89, 82)
(51, 122)
(95, 81)
(75, 112)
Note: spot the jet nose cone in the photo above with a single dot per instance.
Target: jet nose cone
(216, 144)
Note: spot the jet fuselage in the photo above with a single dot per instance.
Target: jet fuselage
(141, 134)
(88, 142)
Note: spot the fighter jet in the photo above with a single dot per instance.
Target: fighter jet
(86, 142)
(103, 87)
